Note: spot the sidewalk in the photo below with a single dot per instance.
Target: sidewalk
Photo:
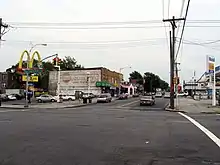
(66, 104)
(189, 105)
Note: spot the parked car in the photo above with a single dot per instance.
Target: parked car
(88, 95)
(104, 97)
(68, 97)
(136, 95)
(158, 94)
(12, 97)
(123, 96)
(17, 96)
(147, 100)
(3, 97)
(46, 98)
(167, 95)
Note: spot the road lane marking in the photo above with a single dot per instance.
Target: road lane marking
(212, 136)
(129, 103)
(4, 111)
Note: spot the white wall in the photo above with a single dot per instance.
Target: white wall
(75, 80)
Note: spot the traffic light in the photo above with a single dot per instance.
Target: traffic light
(178, 80)
(56, 61)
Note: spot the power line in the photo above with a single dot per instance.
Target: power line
(87, 47)
(96, 42)
(106, 23)
(188, 42)
(85, 23)
(181, 13)
(168, 8)
(106, 28)
(162, 8)
(184, 23)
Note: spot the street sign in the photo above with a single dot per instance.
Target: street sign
(31, 78)
(35, 71)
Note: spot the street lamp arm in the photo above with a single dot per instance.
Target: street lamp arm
(49, 57)
(35, 46)
(120, 69)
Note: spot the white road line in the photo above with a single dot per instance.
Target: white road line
(4, 111)
(214, 138)
(129, 103)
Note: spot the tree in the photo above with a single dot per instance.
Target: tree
(152, 81)
(137, 77)
(69, 63)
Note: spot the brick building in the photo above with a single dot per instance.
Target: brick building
(92, 80)
(6, 81)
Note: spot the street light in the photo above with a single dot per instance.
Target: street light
(120, 70)
(27, 74)
(88, 82)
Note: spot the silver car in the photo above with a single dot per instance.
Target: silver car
(147, 100)
(105, 97)
(46, 98)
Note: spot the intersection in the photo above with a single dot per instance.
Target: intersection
(120, 132)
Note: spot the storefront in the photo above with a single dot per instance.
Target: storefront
(127, 88)
(107, 87)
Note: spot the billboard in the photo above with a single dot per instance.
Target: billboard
(31, 78)
(210, 63)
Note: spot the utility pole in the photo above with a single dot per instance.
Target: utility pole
(172, 58)
(2, 32)
(3, 27)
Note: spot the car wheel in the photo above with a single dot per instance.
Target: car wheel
(69, 99)
(39, 101)
(52, 100)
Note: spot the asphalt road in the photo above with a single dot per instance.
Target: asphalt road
(117, 133)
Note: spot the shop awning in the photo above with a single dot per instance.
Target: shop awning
(103, 84)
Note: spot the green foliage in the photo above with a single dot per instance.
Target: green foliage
(152, 81)
(68, 63)
(136, 76)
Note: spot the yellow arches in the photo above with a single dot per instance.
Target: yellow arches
(30, 59)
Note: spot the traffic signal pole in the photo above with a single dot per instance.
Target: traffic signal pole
(172, 59)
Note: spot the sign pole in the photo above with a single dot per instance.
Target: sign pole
(214, 90)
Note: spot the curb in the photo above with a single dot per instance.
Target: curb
(166, 108)
(2, 107)
(174, 110)
(166, 105)
(210, 112)
(65, 107)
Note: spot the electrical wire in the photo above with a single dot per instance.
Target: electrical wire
(181, 13)
(95, 42)
(105, 23)
(184, 23)
(167, 40)
(188, 42)
(106, 28)
(168, 8)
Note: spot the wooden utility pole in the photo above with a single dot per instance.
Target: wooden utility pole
(2, 32)
(172, 58)
(2, 29)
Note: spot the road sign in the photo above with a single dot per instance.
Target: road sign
(31, 78)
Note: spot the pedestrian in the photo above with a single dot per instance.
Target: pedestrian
(29, 97)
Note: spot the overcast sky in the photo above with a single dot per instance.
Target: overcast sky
(144, 49)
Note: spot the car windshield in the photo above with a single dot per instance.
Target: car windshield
(147, 97)
(102, 96)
